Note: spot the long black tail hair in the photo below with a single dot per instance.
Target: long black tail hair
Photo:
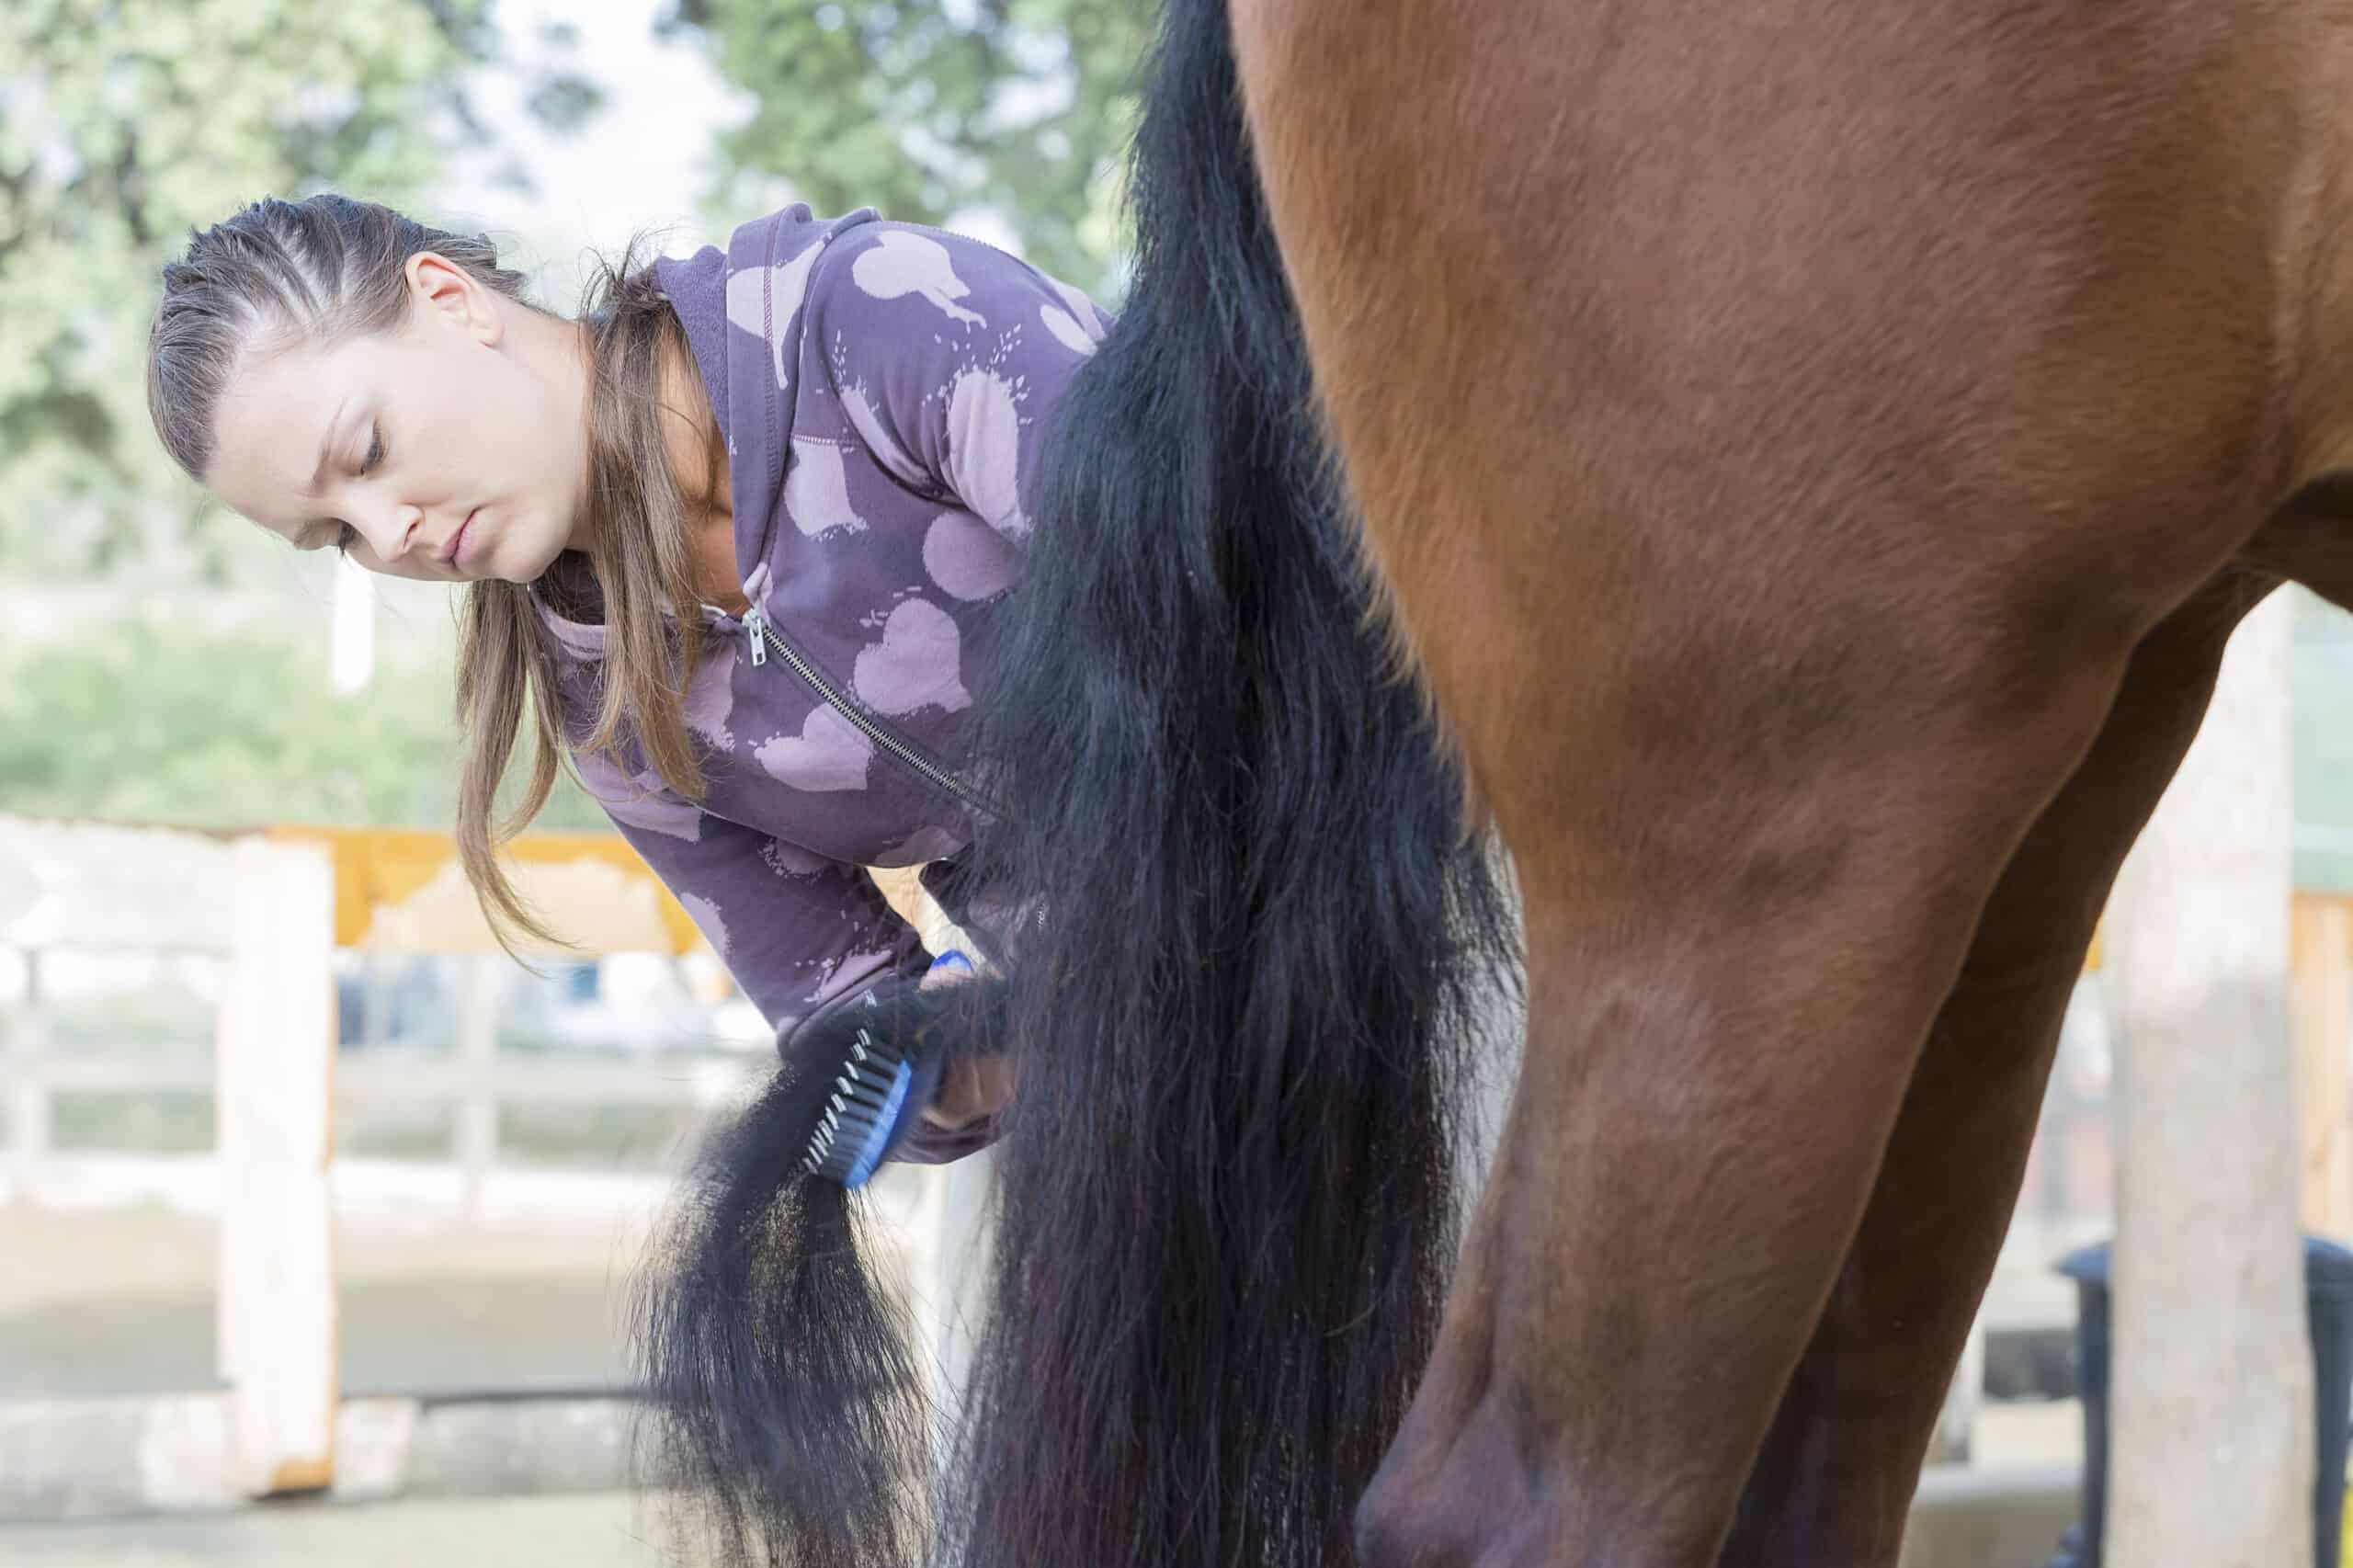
(1260, 939)
(785, 1398)
(1262, 935)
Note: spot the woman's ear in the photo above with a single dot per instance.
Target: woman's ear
(451, 295)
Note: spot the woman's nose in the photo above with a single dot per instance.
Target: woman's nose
(393, 531)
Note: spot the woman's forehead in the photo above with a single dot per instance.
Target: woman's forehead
(275, 414)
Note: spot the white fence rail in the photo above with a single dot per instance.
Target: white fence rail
(274, 907)
(72, 889)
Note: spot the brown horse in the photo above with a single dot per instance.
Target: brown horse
(1816, 452)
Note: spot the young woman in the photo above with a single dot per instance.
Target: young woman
(734, 540)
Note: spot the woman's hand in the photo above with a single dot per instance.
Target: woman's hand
(970, 1088)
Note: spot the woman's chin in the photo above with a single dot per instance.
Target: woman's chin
(509, 564)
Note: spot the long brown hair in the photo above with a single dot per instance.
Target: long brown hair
(330, 268)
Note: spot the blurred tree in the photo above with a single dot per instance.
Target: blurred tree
(151, 721)
(124, 124)
(926, 108)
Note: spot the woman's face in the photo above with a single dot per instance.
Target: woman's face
(452, 448)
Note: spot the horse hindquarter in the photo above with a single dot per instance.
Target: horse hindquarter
(1775, 430)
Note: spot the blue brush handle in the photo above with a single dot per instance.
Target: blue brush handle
(910, 1091)
(872, 1114)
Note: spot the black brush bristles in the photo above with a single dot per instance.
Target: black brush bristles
(866, 1115)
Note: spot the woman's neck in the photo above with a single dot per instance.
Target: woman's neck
(699, 465)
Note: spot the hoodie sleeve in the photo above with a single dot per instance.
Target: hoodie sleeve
(949, 356)
(801, 934)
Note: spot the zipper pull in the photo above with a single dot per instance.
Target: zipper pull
(755, 626)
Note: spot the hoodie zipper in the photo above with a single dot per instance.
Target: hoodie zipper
(762, 637)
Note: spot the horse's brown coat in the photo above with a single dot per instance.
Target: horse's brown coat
(1816, 450)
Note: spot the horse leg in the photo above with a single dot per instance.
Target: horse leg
(1835, 1477)
(1723, 1031)
(1834, 1480)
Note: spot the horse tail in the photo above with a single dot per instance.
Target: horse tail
(786, 1404)
(1261, 935)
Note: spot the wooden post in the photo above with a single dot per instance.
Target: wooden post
(29, 1101)
(275, 1065)
(477, 1051)
(2212, 1399)
(2324, 1013)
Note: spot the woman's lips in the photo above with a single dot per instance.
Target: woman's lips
(457, 541)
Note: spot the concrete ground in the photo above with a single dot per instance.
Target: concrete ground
(114, 1301)
(120, 1302)
(1958, 1522)
(610, 1530)
(112, 1298)
(119, 1299)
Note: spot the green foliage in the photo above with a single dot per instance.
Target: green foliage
(126, 123)
(123, 125)
(147, 722)
(926, 107)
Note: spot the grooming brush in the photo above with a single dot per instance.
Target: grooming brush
(886, 1079)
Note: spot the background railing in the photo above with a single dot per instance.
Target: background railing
(314, 1016)
(287, 936)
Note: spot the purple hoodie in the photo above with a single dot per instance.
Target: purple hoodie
(883, 389)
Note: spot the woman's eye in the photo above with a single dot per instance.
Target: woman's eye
(375, 450)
